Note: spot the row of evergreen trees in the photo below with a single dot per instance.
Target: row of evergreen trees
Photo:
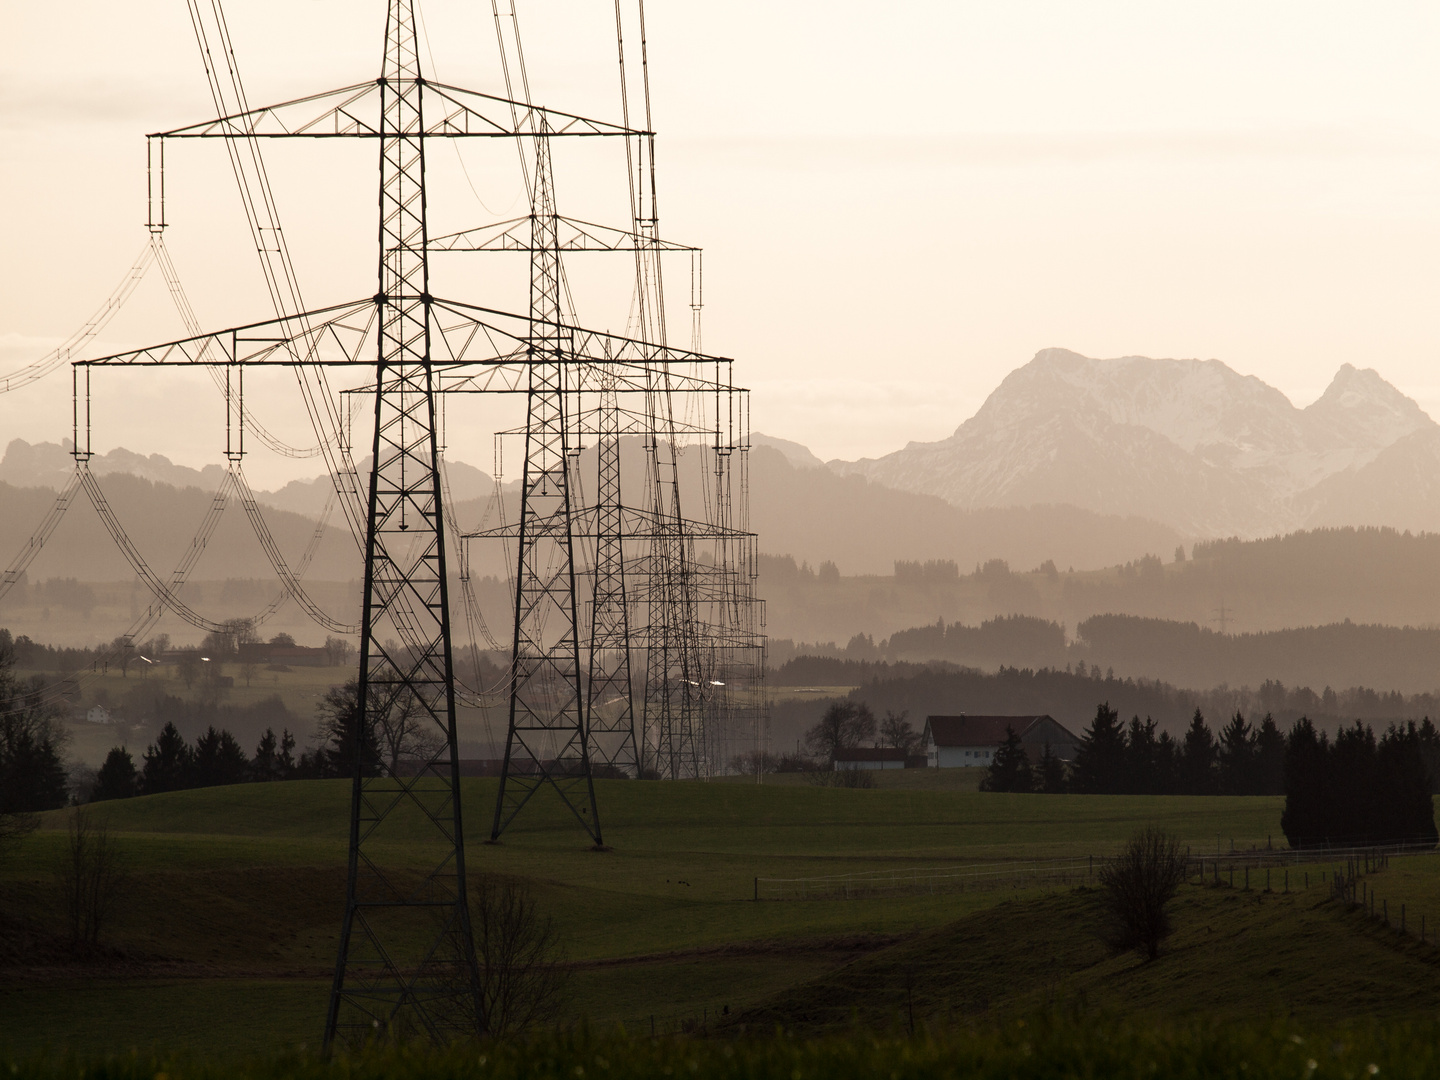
(1357, 789)
(216, 758)
(1354, 790)
(172, 764)
(1132, 759)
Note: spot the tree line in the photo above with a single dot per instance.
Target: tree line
(1355, 789)
(399, 731)
(1115, 758)
(1358, 789)
(1070, 696)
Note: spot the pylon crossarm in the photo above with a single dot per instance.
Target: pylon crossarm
(618, 422)
(635, 522)
(328, 337)
(573, 235)
(355, 112)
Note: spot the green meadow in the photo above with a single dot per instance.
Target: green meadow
(226, 938)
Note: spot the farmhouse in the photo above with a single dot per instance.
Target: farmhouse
(878, 757)
(956, 741)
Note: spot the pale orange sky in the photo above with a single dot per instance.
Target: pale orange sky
(899, 203)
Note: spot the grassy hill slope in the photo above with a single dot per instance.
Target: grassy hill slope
(1234, 955)
(228, 933)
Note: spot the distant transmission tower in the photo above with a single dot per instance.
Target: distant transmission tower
(660, 674)
(406, 964)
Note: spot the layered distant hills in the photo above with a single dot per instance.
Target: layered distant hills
(810, 513)
(1189, 443)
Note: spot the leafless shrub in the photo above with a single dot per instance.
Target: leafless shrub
(522, 977)
(1139, 884)
(14, 827)
(92, 876)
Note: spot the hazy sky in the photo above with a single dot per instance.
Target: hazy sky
(899, 203)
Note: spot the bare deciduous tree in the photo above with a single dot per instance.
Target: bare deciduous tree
(405, 731)
(91, 875)
(1138, 886)
(895, 730)
(522, 979)
(845, 724)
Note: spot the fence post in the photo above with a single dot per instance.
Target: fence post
(757, 888)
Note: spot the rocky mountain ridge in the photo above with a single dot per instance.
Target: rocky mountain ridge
(1190, 443)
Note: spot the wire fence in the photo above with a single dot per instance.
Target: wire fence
(919, 880)
(1232, 868)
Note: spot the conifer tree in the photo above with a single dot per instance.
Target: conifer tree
(1141, 752)
(117, 778)
(1307, 796)
(1269, 758)
(1050, 773)
(1010, 770)
(1197, 760)
(1100, 759)
(167, 762)
(218, 760)
(1237, 753)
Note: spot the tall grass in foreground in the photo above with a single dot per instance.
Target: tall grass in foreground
(1044, 1047)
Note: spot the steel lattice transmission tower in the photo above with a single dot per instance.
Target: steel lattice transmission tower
(406, 591)
(546, 740)
(406, 964)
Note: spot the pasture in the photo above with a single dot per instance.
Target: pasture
(227, 935)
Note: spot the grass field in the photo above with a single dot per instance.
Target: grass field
(228, 936)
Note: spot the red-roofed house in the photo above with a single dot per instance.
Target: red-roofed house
(953, 742)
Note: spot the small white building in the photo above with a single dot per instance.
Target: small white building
(871, 757)
(954, 742)
(99, 714)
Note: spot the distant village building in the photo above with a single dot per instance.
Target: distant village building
(99, 714)
(877, 757)
(289, 655)
(953, 742)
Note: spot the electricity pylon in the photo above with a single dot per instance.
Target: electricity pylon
(546, 743)
(406, 965)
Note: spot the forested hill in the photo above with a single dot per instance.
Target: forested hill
(1071, 697)
(1303, 579)
(1341, 654)
(1300, 579)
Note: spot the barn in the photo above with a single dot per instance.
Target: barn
(953, 742)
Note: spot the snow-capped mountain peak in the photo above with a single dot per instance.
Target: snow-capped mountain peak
(1192, 443)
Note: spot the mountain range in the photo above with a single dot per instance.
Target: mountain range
(802, 510)
(1189, 443)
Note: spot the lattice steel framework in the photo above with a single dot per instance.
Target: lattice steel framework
(392, 972)
(406, 964)
(610, 704)
(546, 741)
